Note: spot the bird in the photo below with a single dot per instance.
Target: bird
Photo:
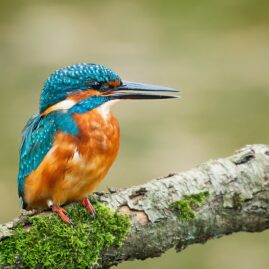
(68, 147)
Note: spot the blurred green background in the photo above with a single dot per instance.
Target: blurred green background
(216, 51)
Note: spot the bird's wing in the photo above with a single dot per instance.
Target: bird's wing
(37, 139)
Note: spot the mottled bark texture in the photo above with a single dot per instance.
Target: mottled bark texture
(214, 199)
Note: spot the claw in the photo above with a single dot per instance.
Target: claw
(87, 204)
(62, 213)
(72, 223)
(63, 210)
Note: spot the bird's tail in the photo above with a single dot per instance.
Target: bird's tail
(26, 136)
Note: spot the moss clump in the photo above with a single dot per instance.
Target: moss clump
(187, 204)
(50, 243)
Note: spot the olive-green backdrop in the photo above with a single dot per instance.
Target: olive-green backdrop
(215, 51)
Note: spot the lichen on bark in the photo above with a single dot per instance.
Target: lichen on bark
(185, 207)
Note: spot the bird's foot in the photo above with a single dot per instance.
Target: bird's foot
(62, 213)
(87, 204)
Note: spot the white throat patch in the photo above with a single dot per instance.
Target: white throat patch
(105, 108)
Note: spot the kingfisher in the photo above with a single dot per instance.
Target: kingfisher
(68, 147)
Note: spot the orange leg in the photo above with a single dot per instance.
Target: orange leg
(86, 203)
(62, 213)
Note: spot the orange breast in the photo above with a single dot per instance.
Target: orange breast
(74, 166)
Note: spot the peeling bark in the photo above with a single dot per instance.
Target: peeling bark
(237, 200)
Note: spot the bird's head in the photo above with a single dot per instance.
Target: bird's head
(84, 80)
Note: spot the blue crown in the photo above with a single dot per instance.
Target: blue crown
(71, 79)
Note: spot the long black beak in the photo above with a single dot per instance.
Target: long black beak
(133, 90)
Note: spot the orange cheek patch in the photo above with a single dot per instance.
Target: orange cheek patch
(81, 95)
(71, 100)
(114, 83)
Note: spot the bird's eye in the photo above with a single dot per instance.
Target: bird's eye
(96, 85)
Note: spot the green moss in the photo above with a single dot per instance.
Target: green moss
(52, 244)
(185, 206)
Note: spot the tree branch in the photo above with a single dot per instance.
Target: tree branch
(214, 199)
